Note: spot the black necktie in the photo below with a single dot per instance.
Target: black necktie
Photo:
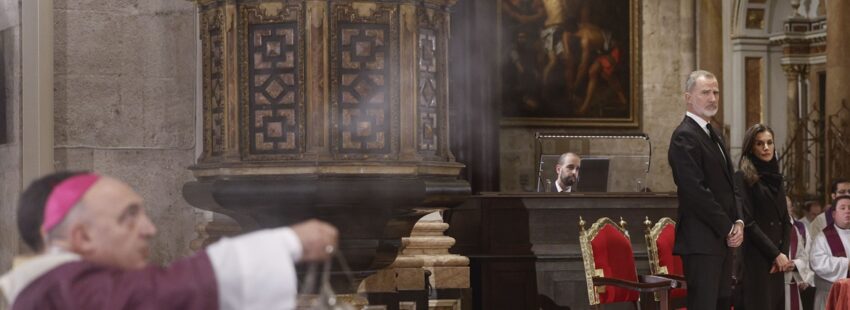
(716, 139)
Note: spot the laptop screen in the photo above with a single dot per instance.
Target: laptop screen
(593, 176)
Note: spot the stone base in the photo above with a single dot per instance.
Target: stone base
(449, 277)
(424, 274)
(394, 280)
(444, 304)
(354, 301)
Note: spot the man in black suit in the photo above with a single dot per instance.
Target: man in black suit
(709, 222)
(567, 170)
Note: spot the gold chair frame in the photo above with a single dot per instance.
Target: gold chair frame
(655, 268)
(652, 234)
(595, 278)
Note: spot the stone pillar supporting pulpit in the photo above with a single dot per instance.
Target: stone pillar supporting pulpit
(336, 110)
(425, 252)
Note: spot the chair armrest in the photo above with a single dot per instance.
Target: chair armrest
(661, 285)
(678, 281)
(673, 277)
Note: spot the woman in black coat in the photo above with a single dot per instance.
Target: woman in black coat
(767, 225)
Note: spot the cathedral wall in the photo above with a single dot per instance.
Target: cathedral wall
(10, 150)
(125, 74)
(667, 58)
(125, 103)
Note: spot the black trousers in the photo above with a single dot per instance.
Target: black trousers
(709, 281)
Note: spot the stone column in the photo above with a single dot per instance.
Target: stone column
(794, 73)
(803, 44)
(710, 44)
(449, 272)
(837, 55)
(837, 73)
(427, 249)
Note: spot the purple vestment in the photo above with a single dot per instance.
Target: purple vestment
(189, 283)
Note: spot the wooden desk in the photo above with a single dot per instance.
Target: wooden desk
(524, 248)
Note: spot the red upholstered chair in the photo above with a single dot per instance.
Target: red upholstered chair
(659, 247)
(609, 266)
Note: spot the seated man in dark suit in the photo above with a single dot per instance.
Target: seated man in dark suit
(567, 170)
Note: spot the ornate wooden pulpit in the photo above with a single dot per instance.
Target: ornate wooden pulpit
(334, 110)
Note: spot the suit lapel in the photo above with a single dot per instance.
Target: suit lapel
(712, 147)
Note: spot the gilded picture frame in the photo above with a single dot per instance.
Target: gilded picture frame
(570, 63)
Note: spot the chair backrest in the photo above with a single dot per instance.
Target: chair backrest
(659, 247)
(607, 252)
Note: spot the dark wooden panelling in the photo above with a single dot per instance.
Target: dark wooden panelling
(272, 82)
(363, 101)
(512, 276)
(364, 92)
(524, 248)
(429, 90)
(212, 35)
(274, 96)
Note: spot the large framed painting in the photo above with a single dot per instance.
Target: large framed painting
(570, 63)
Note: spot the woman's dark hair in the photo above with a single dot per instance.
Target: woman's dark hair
(751, 175)
(31, 207)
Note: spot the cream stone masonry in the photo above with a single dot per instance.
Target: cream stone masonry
(36, 47)
(125, 76)
(10, 152)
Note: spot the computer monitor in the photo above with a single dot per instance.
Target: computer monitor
(593, 176)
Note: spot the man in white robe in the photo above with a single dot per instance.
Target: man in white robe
(839, 187)
(801, 276)
(829, 251)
